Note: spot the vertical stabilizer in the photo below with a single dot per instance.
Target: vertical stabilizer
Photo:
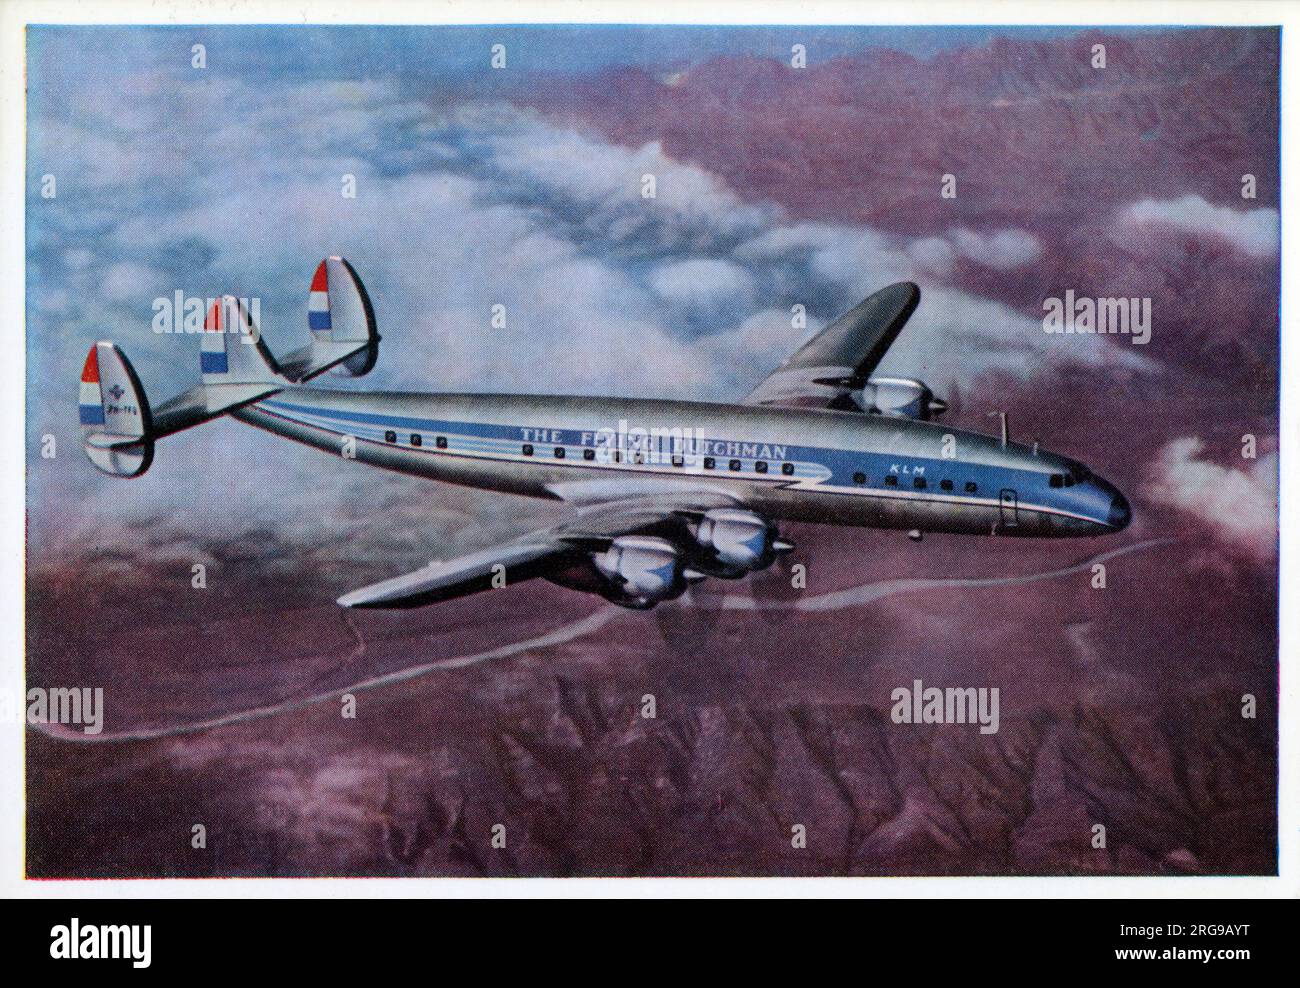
(116, 425)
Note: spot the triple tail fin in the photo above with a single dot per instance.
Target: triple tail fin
(119, 428)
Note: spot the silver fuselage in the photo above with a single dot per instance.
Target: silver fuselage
(798, 464)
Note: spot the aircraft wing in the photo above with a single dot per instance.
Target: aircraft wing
(521, 559)
(590, 528)
(840, 358)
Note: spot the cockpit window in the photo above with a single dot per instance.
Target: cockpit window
(1076, 473)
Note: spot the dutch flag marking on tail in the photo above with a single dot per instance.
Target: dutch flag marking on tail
(212, 354)
(92, 399)
(318, 302)
(342, 324)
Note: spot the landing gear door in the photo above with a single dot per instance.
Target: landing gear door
(1007, 503)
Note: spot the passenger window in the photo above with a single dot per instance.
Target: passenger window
(760, 467)
(416, 440)
(390, 436)
(588, 454)
(971, 487)
(679, 461)
(946, 484)
(787, 468)
(891, 481)
(918, 483)
(441, 442)
(859, 478)
(528, 449)
(733, 465)
(559, 452)
(709, 463)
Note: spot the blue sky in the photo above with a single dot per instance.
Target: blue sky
(450, 52)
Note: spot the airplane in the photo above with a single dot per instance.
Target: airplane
(662, 494)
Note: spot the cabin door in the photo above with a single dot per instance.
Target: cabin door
(1007, 502)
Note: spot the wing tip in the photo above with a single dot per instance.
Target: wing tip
(902, 293)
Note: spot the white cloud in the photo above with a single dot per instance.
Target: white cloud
(932, 254)
(134, 284)
(1253, 231)
(957, 336)
(78, 258)
(703, 280)
(1239, 505)
(609, 178)
(1004, 250)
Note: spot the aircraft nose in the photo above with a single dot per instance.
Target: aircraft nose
(1120, 513)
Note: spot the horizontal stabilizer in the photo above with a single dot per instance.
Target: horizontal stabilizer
(314, 359)
(119, 428)
(204, 403)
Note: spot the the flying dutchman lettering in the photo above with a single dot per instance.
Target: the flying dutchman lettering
(657, 443)
(542, 435)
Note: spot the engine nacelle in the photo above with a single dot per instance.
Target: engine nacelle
(739, 540)
(901, 397)
(642, 569)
